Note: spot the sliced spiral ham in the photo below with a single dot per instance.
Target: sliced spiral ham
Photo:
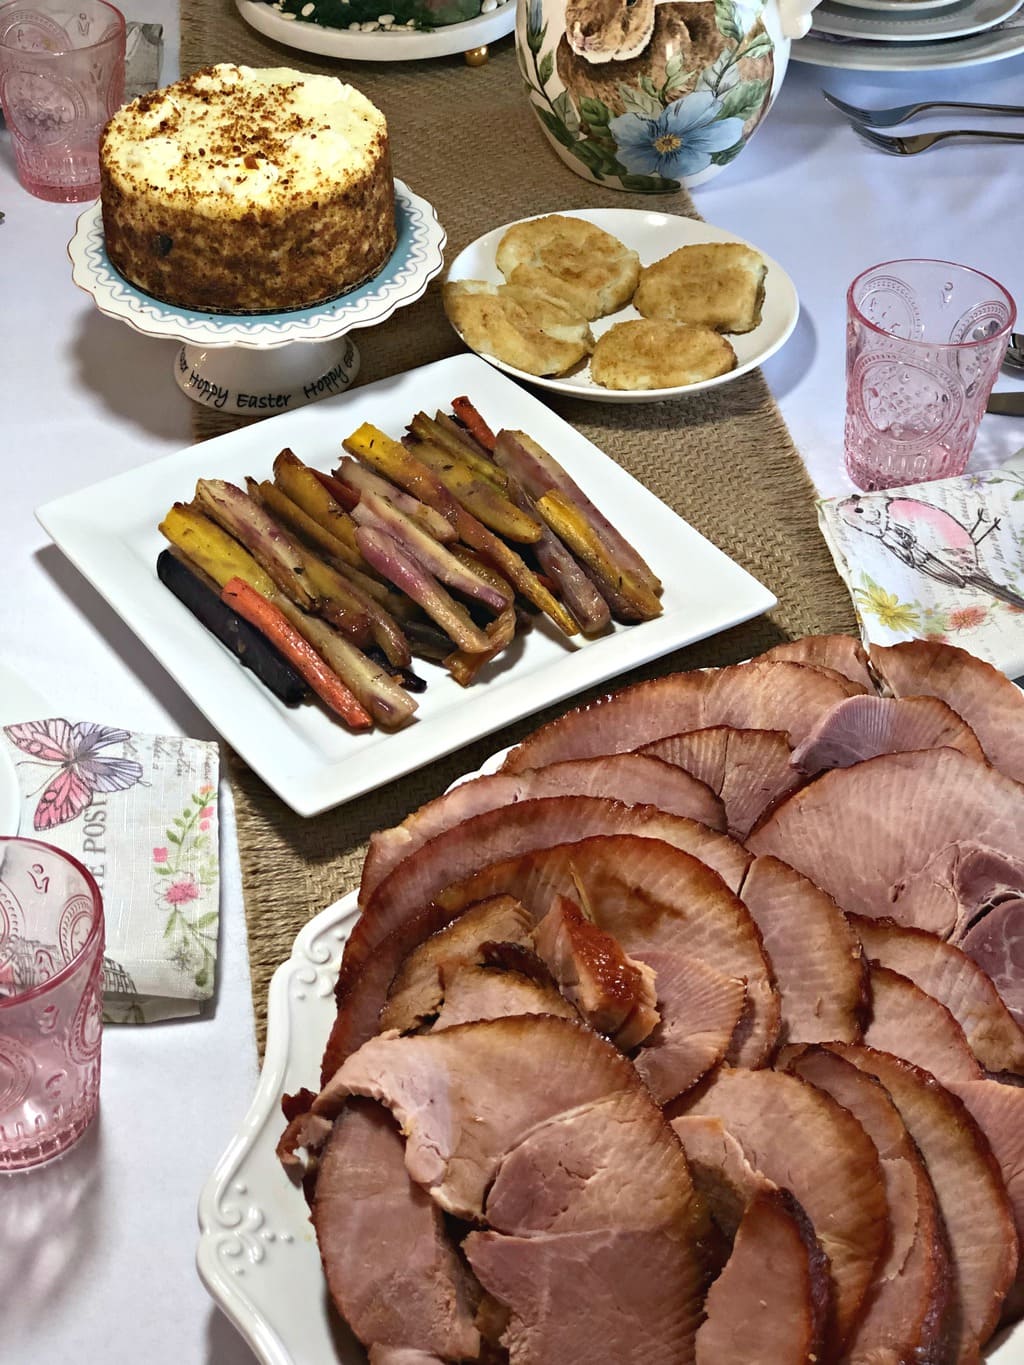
(996, 943)
(841, 653)
(701, 1010)
(532, 824)
(417, 989)
(815, 955)
(775, 695)
(972, 1197)
(650, 897)
(628, 778)
(611, 1228)
(864, 727)
(745, 1325)
(947, 973)
(857, 832)
(749, 770)
(803, 1141)
(984, 697)
(908, 1304)
(908, 1023)
(473, 992)
(391, 1270)
(616, 995)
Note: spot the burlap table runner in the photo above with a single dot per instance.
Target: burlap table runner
(465, 138)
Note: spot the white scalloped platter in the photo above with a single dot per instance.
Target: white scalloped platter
(418, 256)
(257, 1252)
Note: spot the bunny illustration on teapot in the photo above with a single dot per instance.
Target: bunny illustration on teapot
(650, 95)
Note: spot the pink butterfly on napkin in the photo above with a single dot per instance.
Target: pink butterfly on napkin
(82, 771)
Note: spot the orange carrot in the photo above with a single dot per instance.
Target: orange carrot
(268, 619)
(474, 423)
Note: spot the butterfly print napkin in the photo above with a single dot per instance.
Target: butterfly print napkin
(140, 811)
(937, 561)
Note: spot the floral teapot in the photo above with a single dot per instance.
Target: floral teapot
(649, 95)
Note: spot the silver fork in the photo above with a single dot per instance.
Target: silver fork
(918, 142)
(887, 118)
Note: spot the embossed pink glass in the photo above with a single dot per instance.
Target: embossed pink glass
(51, 1008)
(61, 77)
(924, 343)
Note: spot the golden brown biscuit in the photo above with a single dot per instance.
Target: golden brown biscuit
(535, 334)
(652, 354)
(572, 260)
(714, 284)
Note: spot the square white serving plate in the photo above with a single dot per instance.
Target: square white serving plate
(109, 532)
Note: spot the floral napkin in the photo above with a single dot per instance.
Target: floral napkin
(140, 811)
(938, 561)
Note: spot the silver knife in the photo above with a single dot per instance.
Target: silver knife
(1007, 404)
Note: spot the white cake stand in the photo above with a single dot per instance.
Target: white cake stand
(256, 364)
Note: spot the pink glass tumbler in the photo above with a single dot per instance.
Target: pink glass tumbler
(51, 1008)
(924, 343)
(61, 78)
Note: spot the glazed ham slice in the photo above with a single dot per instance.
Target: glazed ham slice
(983, 879)
(497, 834)
(745, 1325)
(996, 944)
(972, 1198)
(953, 978)
(472, 992)
(984, 697)
(360, 1007)
(392, 1273)
(628, 778)
(864, 727)
(774, 695)
(910, 1024)
(608, 1298)
(721, 1173)
(649, 897)
(610, 1228)
(417, 990)
(998, 1111)
(909, 1301)
(841, 653)
(855, 832)
(748, 769)
(815, 955)
(803, 1141)
(701, 1010)
(615, 994)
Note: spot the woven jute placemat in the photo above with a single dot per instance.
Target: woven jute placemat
(466, 140)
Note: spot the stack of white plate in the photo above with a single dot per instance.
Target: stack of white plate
(911, 35)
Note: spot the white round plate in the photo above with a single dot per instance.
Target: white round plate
(416, 259)
(993, 45)
(968, 16)
(653, 235)
(396, 45)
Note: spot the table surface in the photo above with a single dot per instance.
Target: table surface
(98, 1249)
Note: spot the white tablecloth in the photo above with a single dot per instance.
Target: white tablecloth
(97, 1251)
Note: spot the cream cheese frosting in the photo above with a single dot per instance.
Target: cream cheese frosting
(242, 189)
(281, 134)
